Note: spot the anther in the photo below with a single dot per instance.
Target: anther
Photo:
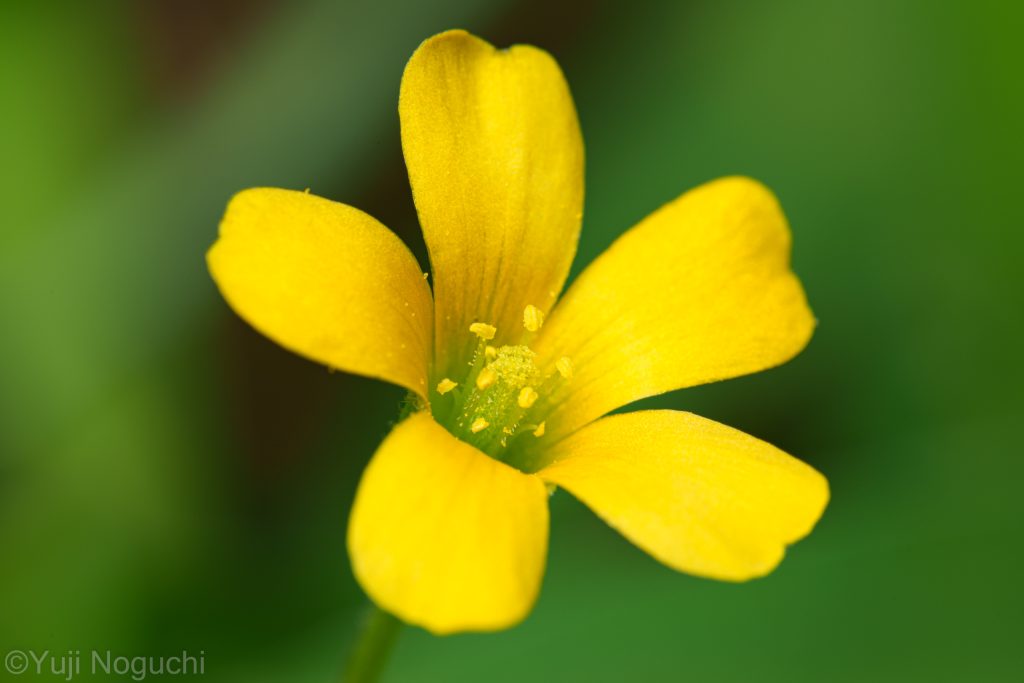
(564, 365)
(483, 330)
(490, 353)
(533, 318)
(479, 425)
(539, 431)
(446, 385)
(486, 378)
(527, 397)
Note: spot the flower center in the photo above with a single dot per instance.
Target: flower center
(499, 399)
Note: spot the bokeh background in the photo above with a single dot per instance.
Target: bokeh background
(171, 480)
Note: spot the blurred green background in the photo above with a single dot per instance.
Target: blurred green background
(170, 480)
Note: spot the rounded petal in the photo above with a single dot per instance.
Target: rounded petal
(700, 497)
(701, 290)
(495, 159)
(326, 281)
(446, 537)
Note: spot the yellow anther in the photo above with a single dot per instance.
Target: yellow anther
(539, 431)
(564, 365)
(486, 378)
(446, 385)
(483, 330)
(479, 425)
(508, 430)
(490, 353)
(533, 318)
(527, 397)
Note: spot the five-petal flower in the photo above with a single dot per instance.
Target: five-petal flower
(449, 527)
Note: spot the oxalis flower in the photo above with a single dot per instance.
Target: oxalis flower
(449, 528)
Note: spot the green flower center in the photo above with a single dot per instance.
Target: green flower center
(498, 401)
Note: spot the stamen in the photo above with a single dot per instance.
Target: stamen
(483, 330)
(490, 406)
(486, 378)
(527, 397)
(533, 318)
(564, 365)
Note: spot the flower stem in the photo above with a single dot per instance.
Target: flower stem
(373, 644)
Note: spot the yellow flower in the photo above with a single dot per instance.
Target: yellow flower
(450, 523)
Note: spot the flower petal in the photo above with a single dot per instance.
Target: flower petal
(446, 537)
(326, 281)
(700, 497)
(699, 291)
(495, 159)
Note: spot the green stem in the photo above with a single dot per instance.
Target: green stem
(373, 644)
